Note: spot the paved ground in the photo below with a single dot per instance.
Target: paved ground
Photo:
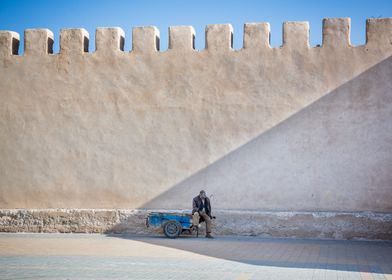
(86, 256)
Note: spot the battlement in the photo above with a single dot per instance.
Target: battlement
(219, 38)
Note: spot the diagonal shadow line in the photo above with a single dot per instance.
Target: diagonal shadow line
(361, 105)
(345, 105)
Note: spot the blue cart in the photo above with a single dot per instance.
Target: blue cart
(172, 223)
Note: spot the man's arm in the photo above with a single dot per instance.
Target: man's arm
(195, 208)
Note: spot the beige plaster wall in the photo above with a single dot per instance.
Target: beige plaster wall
(290, 128)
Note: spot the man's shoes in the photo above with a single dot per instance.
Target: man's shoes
(209, 235)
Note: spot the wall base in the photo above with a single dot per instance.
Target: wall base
(333, 225)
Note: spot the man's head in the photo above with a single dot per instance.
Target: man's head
(202, 194)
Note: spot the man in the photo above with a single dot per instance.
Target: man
(202, 212)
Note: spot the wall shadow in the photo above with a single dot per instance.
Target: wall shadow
(336, 155)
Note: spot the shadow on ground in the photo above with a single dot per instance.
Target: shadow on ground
(361, 256)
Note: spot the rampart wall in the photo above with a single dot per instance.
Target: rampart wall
(300, 130)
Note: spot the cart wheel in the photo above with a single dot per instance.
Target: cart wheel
(172, 229)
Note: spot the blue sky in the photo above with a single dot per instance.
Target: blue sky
(17, 15)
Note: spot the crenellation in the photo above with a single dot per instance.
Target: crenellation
(9, 43)
(181, 38)
(74, 40)
(257, 35)
(219, 37)
(109, 39)
(336, 32)
(145, 39)
(296, 35)
(38, 41)
(379, 32)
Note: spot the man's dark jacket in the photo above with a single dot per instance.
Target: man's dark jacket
(197, 205)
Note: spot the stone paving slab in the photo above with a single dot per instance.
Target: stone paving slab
(96, 256)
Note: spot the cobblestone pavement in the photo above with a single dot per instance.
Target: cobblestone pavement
(89, 256)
